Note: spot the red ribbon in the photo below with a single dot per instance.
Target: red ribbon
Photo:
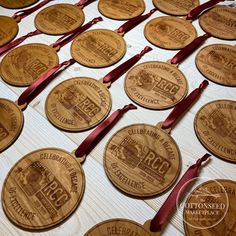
(190, 48)
(68, 37)
(84, 3)
(130, 24)
(24, 13)
(169, 205)
(183, 106)
(96, 136)
(6, 48)
(121, 69)
(39, 85)
(194, 13)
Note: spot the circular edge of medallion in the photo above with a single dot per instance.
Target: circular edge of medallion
(209, 181)
(25, 45)
(37, 26)
(198, 136)
(20, 129)
(152, 107)
(75, 129)
(100, 66)
(104, 13)
(204, 74)
(174, 47)
(115, 220)
(9, 7)
(51, 226)
(142, 195)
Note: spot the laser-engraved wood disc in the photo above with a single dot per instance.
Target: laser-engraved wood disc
(215, 126)
(43, 189)
(16, 4)
(176, 7)
(78, 104)
(8, 29)
(219, 22)
(98, 48)
(156, 85)
(218, 220)
(170, 32)
(23, 65)
(11, 123)
(59, 19)
(142, 160)
(217, 62)
(115, 227)
(121, 9)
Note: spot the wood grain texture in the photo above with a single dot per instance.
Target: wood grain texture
(176, 7)
(59, 19)
(219, 22)
(103, 201)
(170, 32)
(121, 9)
(17, 4)
(217, 62)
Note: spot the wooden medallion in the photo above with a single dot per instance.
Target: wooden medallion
(11, 123)
(59, 19)
(218, 63)
(219, 22)
(23, 65)
(8, 29)
(43, 189)
(116, 227)
(78, 104)
(98, 48)
(121, 9)
(142, 160)
(156, 85)
(176, 7)
(170, 32)
(215, 126)
(218, 221)
(16, 4)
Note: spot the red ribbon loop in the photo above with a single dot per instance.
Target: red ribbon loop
(124, 67)
(68, 37)
(130, 24)
(190, 48)
(194, 13)
(40, 84)
(84, 3)
(181, 187)
(97, 135)
(183, 106)
(24, 13)
(6, 48)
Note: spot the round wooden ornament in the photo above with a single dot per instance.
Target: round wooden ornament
(170, 32)
(23, 65)
(176, 7)
(156, 85)
(101, 47)
(78, 104)
(16, 4)
(11, 122)
(218, 220)
(219, 22)
(117, 227)
(215, 126)
(121, 9)
(142, 160)
(59, 19)
(43, 189)
(217, 62)
(8, 29)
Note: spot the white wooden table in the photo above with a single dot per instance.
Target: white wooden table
(102, 200)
